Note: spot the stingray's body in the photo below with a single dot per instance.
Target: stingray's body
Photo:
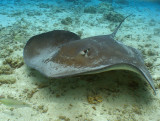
(62, 53)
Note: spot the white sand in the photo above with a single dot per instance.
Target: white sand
(64, 99)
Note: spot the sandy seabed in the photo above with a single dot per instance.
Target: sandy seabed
(109, 96)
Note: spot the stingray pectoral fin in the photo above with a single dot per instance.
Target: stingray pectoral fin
(143, 73)
(44, 44)
(148, 78)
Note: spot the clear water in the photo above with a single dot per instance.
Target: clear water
(120, 97)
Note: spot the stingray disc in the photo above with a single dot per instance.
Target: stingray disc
(62, 53)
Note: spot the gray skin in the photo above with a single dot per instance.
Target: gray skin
(62, 53)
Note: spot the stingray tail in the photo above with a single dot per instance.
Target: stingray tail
(115, 31)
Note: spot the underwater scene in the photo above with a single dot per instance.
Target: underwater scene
(79, 60)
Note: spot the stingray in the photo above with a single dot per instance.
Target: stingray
(61, 53)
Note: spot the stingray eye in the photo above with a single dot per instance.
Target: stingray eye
(85, 52)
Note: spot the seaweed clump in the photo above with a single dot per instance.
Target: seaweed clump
(90, 9)
(67, 21)
(14, 62)
(113, 16)
(105, 7)
(10, 63)
(5, 52)
(64, 118)
(125, 2)
(6, 69)
(7, 80)
(94, 99)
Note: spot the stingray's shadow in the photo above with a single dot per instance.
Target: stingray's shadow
(112, 84)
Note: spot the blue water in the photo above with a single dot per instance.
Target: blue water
(30, 9)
